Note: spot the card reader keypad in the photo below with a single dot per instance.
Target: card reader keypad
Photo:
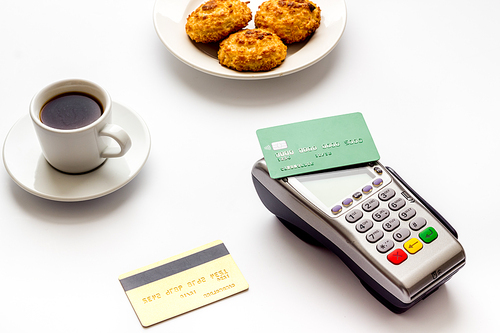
(388, 222)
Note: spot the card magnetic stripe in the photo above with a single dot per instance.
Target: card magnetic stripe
(174, 267)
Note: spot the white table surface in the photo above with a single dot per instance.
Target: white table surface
(426, 76)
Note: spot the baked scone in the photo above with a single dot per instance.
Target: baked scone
(252, 50)
(216, 19)
(292, 20)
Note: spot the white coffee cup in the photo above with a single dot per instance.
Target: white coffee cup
(82, 149)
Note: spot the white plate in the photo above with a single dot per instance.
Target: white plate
(170, 20)
(26, 165)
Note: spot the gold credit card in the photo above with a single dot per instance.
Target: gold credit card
(182, 283)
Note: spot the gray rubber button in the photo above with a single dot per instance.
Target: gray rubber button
(381, 214)
(407, 214)
(418, 223)
(401, 234)
(386, 194)
(391, 224)
(375, 235)
(364, 225)
(397, 204)
(385, 245)
(370, 205)
(354, 216)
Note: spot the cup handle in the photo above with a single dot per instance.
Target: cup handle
(120, 136)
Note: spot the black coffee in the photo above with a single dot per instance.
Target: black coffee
(70, 110)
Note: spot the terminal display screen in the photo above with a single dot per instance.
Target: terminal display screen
(332, 187)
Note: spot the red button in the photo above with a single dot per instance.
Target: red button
(397, 256)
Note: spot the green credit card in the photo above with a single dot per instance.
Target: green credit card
(316, 145)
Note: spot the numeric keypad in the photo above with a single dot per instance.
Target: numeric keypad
(389, 210)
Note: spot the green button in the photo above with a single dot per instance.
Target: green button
(428, 235)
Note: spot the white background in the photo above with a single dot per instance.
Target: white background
(426, 76)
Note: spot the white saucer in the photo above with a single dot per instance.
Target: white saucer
(170, 19)
(26, 165)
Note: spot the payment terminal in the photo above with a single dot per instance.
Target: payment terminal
(399, 247)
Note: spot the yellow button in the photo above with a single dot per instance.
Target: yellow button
(413, 246)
